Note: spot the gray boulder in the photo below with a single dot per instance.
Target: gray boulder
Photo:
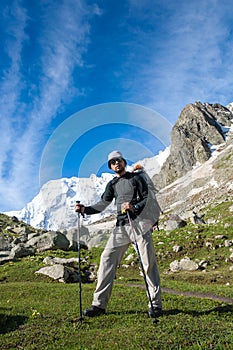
(20, 250)
(188, 265)
(72, 236)
(60, 261)
(5, 256)
(20, 230)
(175, 266)
(32, 235)
(5, 243)
(176, 248)
(59, 272)
(49, 241)
(175, 221)
(184, 264)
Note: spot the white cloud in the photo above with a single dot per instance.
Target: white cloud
(174, 53)
(64, 31)
(188, 54)
(10, 93)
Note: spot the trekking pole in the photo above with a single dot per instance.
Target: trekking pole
(81, 318)
(141, 264)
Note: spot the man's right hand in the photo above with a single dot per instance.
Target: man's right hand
(79, 208)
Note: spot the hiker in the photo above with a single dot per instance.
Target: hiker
(130, 191)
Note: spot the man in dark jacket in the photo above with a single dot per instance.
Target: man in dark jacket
(130, 191)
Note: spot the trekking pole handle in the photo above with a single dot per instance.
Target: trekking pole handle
(129, 208)
(79, 211)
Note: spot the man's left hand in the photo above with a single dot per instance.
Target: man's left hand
(126, 206)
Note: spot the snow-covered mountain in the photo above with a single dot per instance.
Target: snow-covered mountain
(200, 129)
(53, 207)
(230, 106)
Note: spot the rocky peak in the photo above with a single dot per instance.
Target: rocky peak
(222, 114)
(199, 127)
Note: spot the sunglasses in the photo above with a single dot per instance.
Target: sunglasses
(113, 161)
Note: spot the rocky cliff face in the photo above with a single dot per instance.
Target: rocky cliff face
(208, 184)
(199, 128)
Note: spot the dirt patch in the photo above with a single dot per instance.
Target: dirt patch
(190, 294)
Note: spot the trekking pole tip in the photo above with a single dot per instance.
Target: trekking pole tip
(78, 319)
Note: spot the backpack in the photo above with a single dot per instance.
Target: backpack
(152, 206)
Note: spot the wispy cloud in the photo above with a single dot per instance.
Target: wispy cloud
(159, 54)
(15, 18)
(188, 55)
(63, 38)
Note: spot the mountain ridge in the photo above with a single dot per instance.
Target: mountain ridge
(199, 133)
(53, 207)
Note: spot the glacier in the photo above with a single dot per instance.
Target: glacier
(53, 207)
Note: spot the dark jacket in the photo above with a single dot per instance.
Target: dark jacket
(131, 188)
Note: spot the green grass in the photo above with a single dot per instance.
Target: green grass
(37, 313)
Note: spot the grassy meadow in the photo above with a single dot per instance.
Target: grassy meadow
(38, 313)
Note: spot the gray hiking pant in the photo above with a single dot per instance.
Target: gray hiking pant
(112, 255)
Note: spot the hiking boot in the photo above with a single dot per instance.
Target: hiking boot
(94, 311)
(155, 312)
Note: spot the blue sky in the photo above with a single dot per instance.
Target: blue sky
(60, 58)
